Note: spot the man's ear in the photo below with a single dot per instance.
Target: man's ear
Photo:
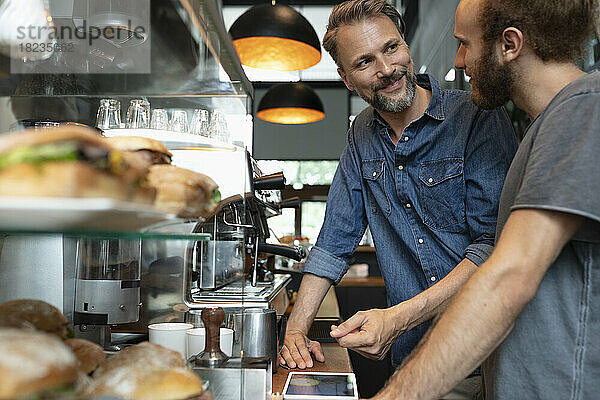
(342, 75)
(512, 44)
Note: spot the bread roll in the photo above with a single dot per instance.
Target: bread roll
(89, 355)
(179, 191)
(43, 316)
(145, 353)
(146, 371)
(138, 381)
(32, 362)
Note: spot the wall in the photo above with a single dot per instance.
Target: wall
(322, 140)
(434, 44)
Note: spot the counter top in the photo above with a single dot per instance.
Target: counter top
(336, 357)
(336, 360)
(367, 281)
(365, 249)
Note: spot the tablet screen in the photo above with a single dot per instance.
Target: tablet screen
(307, 384)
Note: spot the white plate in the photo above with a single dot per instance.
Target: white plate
(56, 214)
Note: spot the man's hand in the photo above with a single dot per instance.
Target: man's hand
(484, 311)
(297, 350)
(370, 333)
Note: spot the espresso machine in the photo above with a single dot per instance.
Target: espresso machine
(244, 217)
(252, 304)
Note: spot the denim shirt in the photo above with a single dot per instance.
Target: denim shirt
(430, 201)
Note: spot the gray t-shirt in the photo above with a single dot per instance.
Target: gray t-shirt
(553, 352)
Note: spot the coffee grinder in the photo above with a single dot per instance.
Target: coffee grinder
(107, 287)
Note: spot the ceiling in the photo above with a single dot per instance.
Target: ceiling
(430, 24)
(410, 7)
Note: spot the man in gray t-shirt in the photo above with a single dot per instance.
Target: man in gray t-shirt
(553, 351)
(531, 313)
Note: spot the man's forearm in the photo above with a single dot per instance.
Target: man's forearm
(434, 300)
(467, 332)
(310, 295)
(372, 333)
(482, 313)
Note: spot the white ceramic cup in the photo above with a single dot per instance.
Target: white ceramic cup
(196, 340)
(170, 335)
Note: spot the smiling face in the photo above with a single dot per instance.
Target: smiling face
(376, 64)
(491, 81)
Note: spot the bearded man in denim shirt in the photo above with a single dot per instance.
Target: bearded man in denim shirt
(423, 167)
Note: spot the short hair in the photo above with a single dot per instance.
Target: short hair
(556, 30)
(353, 11)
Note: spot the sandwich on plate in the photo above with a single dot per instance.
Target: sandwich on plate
(153, 150)
(186, 193)
(179, 191)
(69, 161)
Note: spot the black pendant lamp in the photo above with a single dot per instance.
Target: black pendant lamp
(275, 37)
(290, 103)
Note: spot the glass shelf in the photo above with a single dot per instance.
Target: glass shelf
(20, 110)
(114, 235)
(176, 140)
(95, 218)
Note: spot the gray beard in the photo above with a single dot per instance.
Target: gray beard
(380, 102)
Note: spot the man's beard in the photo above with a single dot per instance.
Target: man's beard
(491, 81)
(381, 102)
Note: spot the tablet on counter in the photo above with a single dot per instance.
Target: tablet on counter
(320, 386)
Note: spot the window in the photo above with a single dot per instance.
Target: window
(282, 225)
(309, 180)
(300, 173)
(313, 214)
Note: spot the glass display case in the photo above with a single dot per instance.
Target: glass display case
(192, 66)
(113, 267)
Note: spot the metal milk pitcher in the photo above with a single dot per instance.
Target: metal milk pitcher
(256, 334)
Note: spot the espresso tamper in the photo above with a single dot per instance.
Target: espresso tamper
(212, 356)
